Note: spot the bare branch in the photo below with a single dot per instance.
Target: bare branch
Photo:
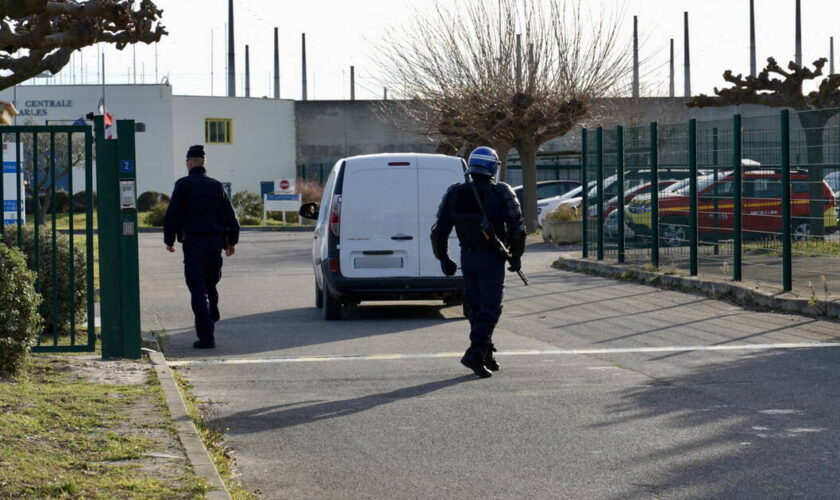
(40, 35)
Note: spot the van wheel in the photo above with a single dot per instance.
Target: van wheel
(319, 298)
(673, 232)
(801, 230)
(331, 305)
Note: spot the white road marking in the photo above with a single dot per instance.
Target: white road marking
(534, 352)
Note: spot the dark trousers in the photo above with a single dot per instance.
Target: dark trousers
(484, 282)
(203, 270)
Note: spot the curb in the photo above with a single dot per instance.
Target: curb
(197, 454)
(739, 292)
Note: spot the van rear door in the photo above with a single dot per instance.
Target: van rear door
(379, 232)
(435, 174)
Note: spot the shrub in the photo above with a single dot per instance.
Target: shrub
(247, 204)
(80, 201)
(67, 299)
(157, 214)
(62, 202)
(309, 190)
(291, 217)
(564, 213)
(20, 322)
(247, 220)
(149, 199)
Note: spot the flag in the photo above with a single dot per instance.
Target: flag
(109, 119)
(80, 121)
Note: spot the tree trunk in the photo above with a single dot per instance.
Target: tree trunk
(502, 149)
(528, 158)
(814, 124)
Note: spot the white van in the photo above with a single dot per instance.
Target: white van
(371, 239)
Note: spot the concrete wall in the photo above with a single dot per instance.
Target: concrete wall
(150, 104)
(330, 130)
(263, 147)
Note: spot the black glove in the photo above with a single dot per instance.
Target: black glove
(448, 267)
(515, 264)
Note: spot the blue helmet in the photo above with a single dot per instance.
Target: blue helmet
(483, 161)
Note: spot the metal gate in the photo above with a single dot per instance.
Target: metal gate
(49, 216)
(49, 201)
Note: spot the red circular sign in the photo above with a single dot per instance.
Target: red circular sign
(284, 184)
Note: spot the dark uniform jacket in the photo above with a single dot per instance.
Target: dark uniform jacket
(459, 209)
(200, 206)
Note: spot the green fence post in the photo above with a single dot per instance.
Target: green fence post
(692, 193)
(129, 254)
(89, 276)
(716, 207)
(654, 196)
(119, 275)
(737, 209)
(585, 198)
(787, 247)
(619, 163)
(599, 176)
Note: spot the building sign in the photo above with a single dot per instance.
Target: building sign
(10, 198)
(42, 107)
(282, 202)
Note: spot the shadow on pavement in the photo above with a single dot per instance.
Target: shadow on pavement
(281, 416)
(300, 327)
(764, 426)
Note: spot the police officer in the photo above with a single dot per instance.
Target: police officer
(201, 217)
(480, 210)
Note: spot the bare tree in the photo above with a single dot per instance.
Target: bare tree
(65, 161)
(507, 73)
(40, 35)
(816, 109)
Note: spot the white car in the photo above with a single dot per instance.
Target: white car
(371, 239)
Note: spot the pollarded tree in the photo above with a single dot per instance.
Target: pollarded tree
(40, 35)
(507, 73)
(776, 87)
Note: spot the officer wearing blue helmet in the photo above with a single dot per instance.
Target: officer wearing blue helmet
(481, 210)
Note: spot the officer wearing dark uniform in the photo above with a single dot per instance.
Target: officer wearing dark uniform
(496, 215)
(201, 217)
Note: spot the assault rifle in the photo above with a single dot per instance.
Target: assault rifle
(490, 235)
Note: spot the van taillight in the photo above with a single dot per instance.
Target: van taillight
(399, 164)
(334, 266)
(335, 216)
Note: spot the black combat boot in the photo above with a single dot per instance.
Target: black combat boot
(474, 360)
(489, 361)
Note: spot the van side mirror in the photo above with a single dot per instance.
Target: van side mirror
(309, 210)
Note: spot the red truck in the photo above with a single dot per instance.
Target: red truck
(761, 202)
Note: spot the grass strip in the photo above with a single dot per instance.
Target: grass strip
(63, 436)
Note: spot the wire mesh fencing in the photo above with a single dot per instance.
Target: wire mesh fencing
(747, 198)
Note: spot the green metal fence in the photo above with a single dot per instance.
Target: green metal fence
(745, 198)
(39, 162)
(50, 218)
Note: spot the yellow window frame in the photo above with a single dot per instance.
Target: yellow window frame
(226, 125)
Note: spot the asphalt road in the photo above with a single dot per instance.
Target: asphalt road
(598, 396)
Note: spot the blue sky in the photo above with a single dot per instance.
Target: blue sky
(343, 33)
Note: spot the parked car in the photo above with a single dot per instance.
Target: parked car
(632, 180)
(761, 207)
(547, 189)
(612, 204)
(371, 239)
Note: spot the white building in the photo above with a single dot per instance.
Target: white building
(248, 140)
